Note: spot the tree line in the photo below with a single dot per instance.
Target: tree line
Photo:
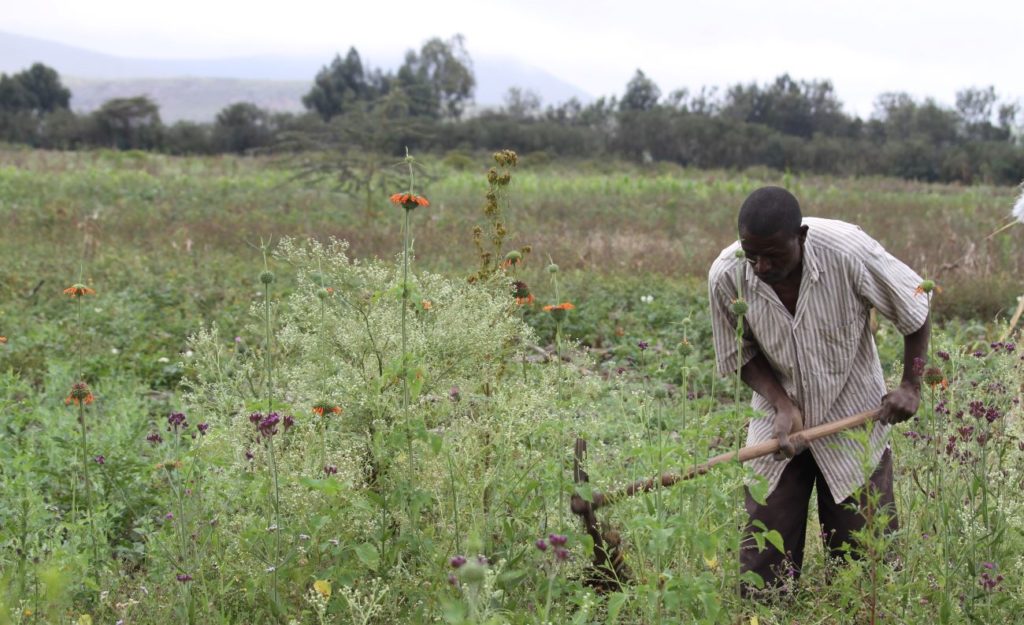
(427, 104)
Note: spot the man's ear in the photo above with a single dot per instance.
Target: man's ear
(803, 234)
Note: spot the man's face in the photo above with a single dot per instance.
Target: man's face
(774, 258)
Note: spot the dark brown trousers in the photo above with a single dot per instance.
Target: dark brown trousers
(785, 511)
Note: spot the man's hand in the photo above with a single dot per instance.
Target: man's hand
(901, 403)
(788, 420)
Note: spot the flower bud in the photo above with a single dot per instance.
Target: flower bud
(552, 268)
(267, 277)
(739, 307)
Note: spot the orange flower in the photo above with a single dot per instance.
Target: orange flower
(427, 305)
(525, 300)
(324, 407)
(3, 340)
(78, 290)
(79, 395)
(563, 306)
(409, 201)
(558, 311)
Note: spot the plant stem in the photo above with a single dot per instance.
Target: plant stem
(88, 484)
(405, 335)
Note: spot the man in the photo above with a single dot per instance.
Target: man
(809, 355)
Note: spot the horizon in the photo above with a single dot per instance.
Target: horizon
(927, 50)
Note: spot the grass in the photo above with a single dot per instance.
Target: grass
(172, 247)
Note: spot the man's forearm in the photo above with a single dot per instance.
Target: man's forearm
(915, 346)
(759, 376)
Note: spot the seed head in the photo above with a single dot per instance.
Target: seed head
(79, 394)
(739, 307)
(267, 277)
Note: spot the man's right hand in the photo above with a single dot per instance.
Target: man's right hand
(788, 420)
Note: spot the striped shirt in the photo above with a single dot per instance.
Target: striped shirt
(824, 356)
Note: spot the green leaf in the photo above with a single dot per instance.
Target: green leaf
(775, 538)
(368, 555)
(615, 603)
(454, 612)
(586, 491)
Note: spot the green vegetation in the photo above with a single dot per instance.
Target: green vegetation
(787, 124)
(242, 451)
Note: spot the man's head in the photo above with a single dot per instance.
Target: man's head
(772, 234)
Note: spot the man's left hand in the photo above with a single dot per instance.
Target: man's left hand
(900, 404)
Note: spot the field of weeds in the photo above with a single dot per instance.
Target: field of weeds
(228, 396)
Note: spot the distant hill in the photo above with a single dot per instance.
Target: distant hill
(192, 99)
(196, 90)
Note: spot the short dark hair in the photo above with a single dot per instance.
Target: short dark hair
(770, 210)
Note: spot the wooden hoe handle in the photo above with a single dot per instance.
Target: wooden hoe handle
(799, 439)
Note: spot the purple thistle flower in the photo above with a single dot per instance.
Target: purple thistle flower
(454, 394)
(561, 554)
(482, 560)
(289, 421)
(642, 345)
(979, 353)
(541, 544)
(918, 366)
(100, 459)
(558, 540)
(330, 469)
(943, 355)
(155, 438)
(184, 577)
(255, 417)
(1009, 347)
(268, 426)
(169, 516)
(457, 561)
(176, 420)
(453, 580)
(203, 427)
(248, 455)
(988, 565)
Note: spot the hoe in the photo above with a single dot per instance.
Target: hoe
(609, 569)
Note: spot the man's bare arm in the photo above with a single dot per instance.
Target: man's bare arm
(759, 376)
(902, 402)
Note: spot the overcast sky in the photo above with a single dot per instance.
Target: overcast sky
(865, 47)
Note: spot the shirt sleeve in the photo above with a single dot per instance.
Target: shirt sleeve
(890, 286)
(721, 293)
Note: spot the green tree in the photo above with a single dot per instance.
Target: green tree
(356, 151)
(521, 103)
(642, 93)
(339, 87)
(129, 124)
(242, 127)
(37, 89)
(439, 79)
(800, 108)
